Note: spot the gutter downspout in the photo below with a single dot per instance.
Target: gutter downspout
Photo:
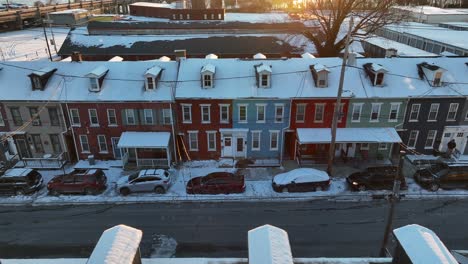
(173, 114)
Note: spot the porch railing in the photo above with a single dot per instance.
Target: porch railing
(151, 163)
(54, 162)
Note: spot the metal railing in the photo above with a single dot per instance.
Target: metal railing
(54, 162)
(152, 163)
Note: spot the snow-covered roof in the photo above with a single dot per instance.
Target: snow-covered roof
(423, 246)
(274, 17)
(70, 11)
(115, 58)
(16, 172)
(118, 244)
(346, 135)
(211, 56)
(263, 68)
(208, 68)
(432, 10)
(301, 175)
(155, 70)
(158, 5)
(164, 58)
(320, 67)
(307, 55)
(98, 72)
(43, 71)
(377, 67)
(269, 245)
(144, 140)
(125, 81)
(448, 54)
(403, 50)
(259, 56)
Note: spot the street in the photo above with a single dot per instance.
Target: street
(316, 228)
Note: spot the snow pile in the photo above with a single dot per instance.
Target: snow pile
(301, 175)
(269, 245)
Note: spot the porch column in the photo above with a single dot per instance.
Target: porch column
(168, 157)
(136, 157)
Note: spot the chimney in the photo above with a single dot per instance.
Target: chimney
(391, 52)
(76, 56)
(180, 54)
(351, 59)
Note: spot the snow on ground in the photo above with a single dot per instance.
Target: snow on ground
(29, 44)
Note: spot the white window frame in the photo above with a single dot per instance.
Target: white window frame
(378, 112)
(260, 106)
(415, 139)
(210, 80)
(397, 112)
(428, 138)
(87, 143)
(436, 112)
(412, 111)
(455, 112)
(267, 80)
(153, 82)
(355, 106)
(75, 110)
(99, 137)
(281, 118)
(221, 107)
(190, 134)
(166, 113)
(189, 107)
(259, 133)
(299, 106)
(340, 111)
(382, 146)
(109, 120)
(246, 113)
(208, 134)
(323, 112)
(94, 84)
(91, 117)
(145, 115)
(202, 109)
(128, 113)
(272, 132)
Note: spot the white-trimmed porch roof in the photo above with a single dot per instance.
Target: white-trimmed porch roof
(348, 135)
(144, 140)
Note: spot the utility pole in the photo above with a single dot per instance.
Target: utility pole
(47, 41)
(336, 112)
(52, 32)
(393, 198)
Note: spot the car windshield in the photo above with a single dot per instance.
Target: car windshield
(133, 176)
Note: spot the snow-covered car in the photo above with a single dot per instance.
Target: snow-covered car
(301, 180)
(152, 180)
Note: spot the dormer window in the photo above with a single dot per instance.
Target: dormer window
(320, 75)
(437, 78)
(40, 78)
(207, 73)
(96, 78)
(376, 73)
(263, 73)
(152, 76)
(432, 73)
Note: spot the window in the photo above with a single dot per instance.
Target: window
(242, 113)
(54, 117)
(130, 116)
(364, 146)
(37, 142)
(193, 140)
(37, 83)
(188, 16)
(319, 108)
(414, 114)
(36, 119)
(460, 134)
(111, 117)
(261, 113)
(187, 113)
(55, 142)
(84, 143)
(205, 114)
(375, 112)
(211, 139)
(340, 112)
(279, 113)
(93, 118)
(167, 120)
(94, 84)
(181, 16)
(150, 83)
(264, 80)
(394, 110)
(75, 117)
(431, 134)
(300, 113)
(256, 140)
(437, 79)
(274, 140)
(2, 121)
(379, 78)
(16, 115)
(205, 16)
(224, 113)
(148, 115)
(433, 112)
(413, 138)
(102, 143)
(219, 16)
(207, 81)
(321, 82)
(357, 109)
(382, 146)
(452, 114)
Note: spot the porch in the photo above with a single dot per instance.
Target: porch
(144, 150)
(48, 161)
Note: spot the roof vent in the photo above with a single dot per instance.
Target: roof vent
(259, 56)
(307, 55)
(165, 58)
(211, 56)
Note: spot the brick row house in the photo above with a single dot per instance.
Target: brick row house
(152, 113)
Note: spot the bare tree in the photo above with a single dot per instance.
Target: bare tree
(332, 16)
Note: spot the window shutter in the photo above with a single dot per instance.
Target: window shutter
(124, 117)
(158, 114)
(139, 116)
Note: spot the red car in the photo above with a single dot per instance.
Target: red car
(86, 181)
(216, 183)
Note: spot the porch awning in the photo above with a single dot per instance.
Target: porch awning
(144, 140)
(348, 135)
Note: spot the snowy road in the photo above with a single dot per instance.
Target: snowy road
(316, 228)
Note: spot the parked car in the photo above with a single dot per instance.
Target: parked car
(217, 183)
(86, 181)
(20, 181)
(153, 180)
(375, 178)
(301, 180)
(446, 176)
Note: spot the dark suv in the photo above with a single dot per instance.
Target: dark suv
(20, 181)
(87, 181)
(375, 178)
(441, 175)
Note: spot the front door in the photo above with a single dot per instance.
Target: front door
(240, 147)
(115, 149)
(23, 148)
(228, 150)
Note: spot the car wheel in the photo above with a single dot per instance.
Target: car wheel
(89, 191)
(53, 193)
(434, 187)
(285, 190)
(19, 192)
(362, 188)
(124, 191)
(159, 190)
(318, 188)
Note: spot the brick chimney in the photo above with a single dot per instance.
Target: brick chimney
(180, 54)
(76, 56)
